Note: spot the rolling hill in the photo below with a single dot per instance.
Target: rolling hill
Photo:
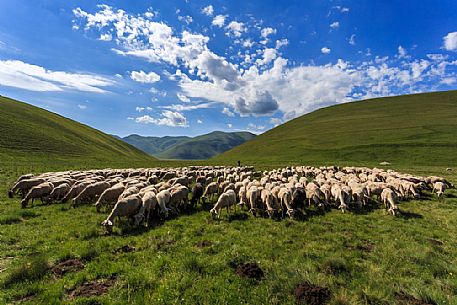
(419, 129)
(32, 134)
(187, 148)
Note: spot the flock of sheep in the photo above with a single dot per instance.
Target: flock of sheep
(142, 193)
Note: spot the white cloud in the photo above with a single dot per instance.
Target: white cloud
(236, 28)
(352, 40)
(227, 112)
(106, 37)
(325, 50)
(450, 41)
(219, 20)
(145, 78)
(268, 56)
(449, 80)
(342, 9)
(229, 125)
(281, 43)
(208, 10)
(16, 73)
(255, 127)
(187, 107)
(82, 107)
(275, 121)
(335, 25)
(140, 109)
(199, 122)
(265, 32)
(183, 98)
(402, 53)
(168, 118)
(186, 19)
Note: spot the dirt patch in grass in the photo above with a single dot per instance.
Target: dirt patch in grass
(93, 288)
(203, 243)
(406, 299)
(250, 270)
(64, 267)
(435, 242)
(24, 299)
(125, 249)
(307, 293)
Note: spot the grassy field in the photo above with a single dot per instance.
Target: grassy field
(418, 130)
(31, 134)
(363, 257)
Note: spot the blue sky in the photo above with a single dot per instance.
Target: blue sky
(191, 67)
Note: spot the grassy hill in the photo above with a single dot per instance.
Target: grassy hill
(187, 148)
(154, 145)
(419, 129)
(31, 134)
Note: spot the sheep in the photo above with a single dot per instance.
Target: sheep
(163, 198)
(90, 192)
(252, 195)
(75, 190)
(269, 202)
(57, 193)
(285, 196)
(390, 199)
(178, 195)
(39, 191)
(340, 197)
(128, 206)
(225, 200)
(211, 190)
(197, 193)
(149, 203)
(24, 185)
(129, 191)
(439, 187)
(110, 195)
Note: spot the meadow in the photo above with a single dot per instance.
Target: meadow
(363, 257)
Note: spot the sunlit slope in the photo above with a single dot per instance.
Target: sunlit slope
(418, 129)
(30, 133)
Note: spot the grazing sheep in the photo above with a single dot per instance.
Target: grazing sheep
(285, 196)
(128, 206)
(178, 196)
(340, 197)
(90, 192)
(24, 185)
(129, 191)
(225, 201)
(149, 203)
(390, 200)
(110, 195)
(163, 199)
(197, 193)
(269, 201)
(75, 190)
(57, 193)
(211, 190)
(439, 187)
(39, 191)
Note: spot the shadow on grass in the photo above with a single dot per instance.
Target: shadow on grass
(409, 215)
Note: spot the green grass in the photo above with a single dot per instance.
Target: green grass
(363, 258)
(31, 134)
(412, 130)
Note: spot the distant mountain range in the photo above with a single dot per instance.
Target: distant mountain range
(188, 148)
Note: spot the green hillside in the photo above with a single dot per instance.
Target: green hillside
(31, 134)
(419, 129)
(187, 148)
(154, 145)
(206, 146)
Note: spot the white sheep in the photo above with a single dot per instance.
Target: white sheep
(90, 192)
(390, 200)
(110, 195)
(149, 203)
(225, 200)
(128, 206)
(39, 191)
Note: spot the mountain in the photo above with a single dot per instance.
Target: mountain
(31, 133)
(419, 129)
(154, 145)
(187, 148)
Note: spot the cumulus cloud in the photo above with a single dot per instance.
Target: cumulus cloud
(16, 73)
(450, 41)
(325, 50)
(168, 118)
(199, 122)
(335, 25)
(265, 32)
(264, 82)
(208, 10)
(236, 28)
(229, 125)
(219, 20)
(145, 78)
(227, 112)
(402, 53)
(183, 98)
(352, 40)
